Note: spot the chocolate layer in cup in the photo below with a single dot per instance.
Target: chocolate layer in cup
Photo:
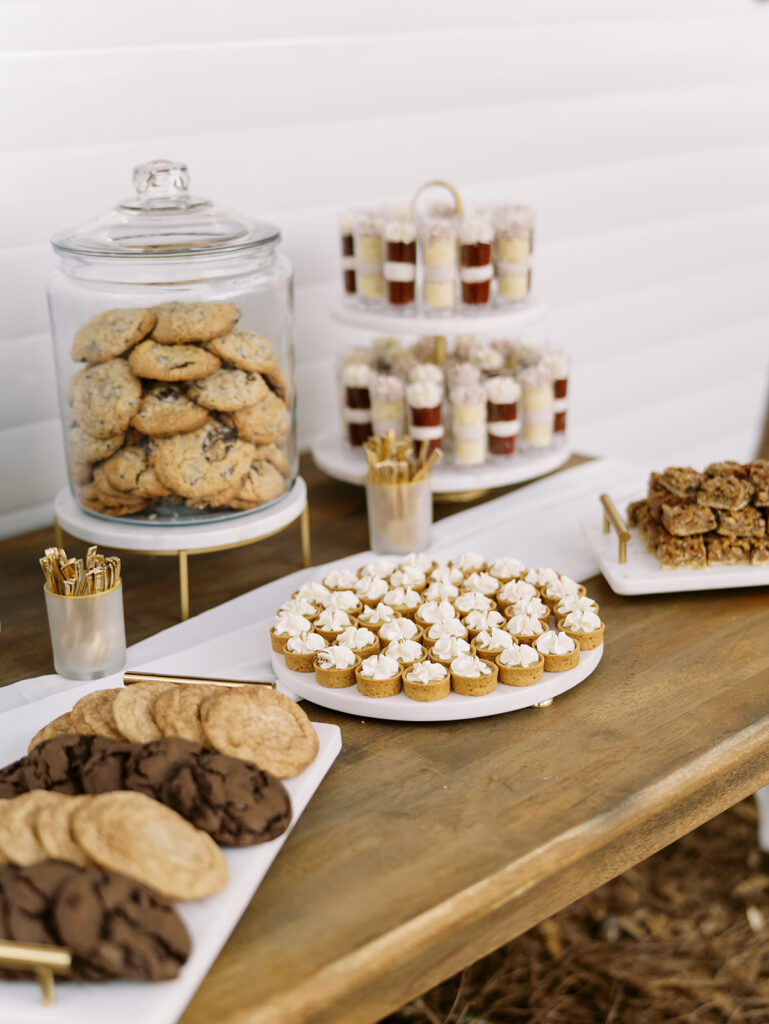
(427, 418)
(476, 286)
(357, 415)
(500, 413)
(559, 388)
(400, 272)
(348, 263)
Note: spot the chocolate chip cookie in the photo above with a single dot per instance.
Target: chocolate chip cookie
(246, 350)
(202, 463)
(165, 409)
(129, 470)
(84, 447)
(112, 333)
(263, 423)
(172, 362)
(194, 321)
(228, 390)
(104, 397)
(262, 483)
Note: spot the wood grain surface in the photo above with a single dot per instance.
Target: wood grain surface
(427, 846)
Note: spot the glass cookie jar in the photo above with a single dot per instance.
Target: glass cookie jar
(172, 322)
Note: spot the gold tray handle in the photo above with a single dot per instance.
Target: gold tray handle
(437, 184)
(42, 959)
(157, 677)
(611, 517)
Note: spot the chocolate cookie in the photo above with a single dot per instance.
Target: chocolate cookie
(263, 423)
(129, 471)
(14, 779)
(165, 409)
(107, 503)
(203, 463)
(246, 350)
(262, 483)
(110, 334)
(56, 764)
(28, 894)
(234, 801)
(120, 927)
(104, 770)
(193, 321)
(151, 764)
(228, 390)
(172, 362)
(104, 397)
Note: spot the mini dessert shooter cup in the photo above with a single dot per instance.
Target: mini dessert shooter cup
(439, 264)
(559, 365)
(400, 267)
(475, 266)
(513, 243)
(346, 233)
(425, 414)
(87, 633)
(468, 424)
(369, 258)
(388, 404)
(356, 381)
(502, 394)
(538, 405)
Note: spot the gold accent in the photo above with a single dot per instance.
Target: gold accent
(611, 517)
(437, 183)
(183, 553)
(82, 597)
(459, 496)
(544, 704)
(159, 677)
(42, 959)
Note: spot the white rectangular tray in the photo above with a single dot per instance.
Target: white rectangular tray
(643, 574)
(209, 921)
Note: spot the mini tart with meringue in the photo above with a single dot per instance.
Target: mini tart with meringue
(473, 601)
(506, 569)
(340, 579)
(381, 567)
(514, 591)
(379, 676)
(444, 650)
(335, 667)
(524, 629)
(491, 642)
(405, 652)
(445, 574)
(534, 607)
(430, 612)
(559, 650)
(409, 577)
(477, 621)
(331, 622)
(404, 600)
(371, 590)
(362, 641)
(441, 590)
(468, 562)
(482, 583)
(399, 629)
(375, 618)
(426, 681)
(563, 587)
(573, 603)
(472, 676)
(299, 653)
(520, 665)
(418, 560)
(345, 600)
(285, 626)
(314, 592)
(585, 627)
(448, 627)
(299, 606)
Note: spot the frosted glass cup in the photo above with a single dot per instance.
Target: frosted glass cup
(87, 633)
(399, 516)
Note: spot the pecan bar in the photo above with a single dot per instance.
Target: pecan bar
(681, 552)
(683, 481)
(727, 468)
(636, 511)
(728, 550)
(685, 518)
(742, 522)
(657, 496)
(758, 474)
(759, 552)
(725, 492)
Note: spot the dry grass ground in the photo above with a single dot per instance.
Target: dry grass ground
(682, 938)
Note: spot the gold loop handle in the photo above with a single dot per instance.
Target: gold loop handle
(611, 517)
(437, 184)
(42, 959)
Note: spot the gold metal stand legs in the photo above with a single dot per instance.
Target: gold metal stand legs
(304, 526)
(184, 586)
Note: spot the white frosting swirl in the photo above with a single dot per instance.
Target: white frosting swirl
(507, 568)
(524, 625)
(554, 643)
(562, 587)
(447, 627)
(416, 559)
(436, 611)
(582, 621)
(424, 395)
(346, 600)
(478, 619)
(305, 643)
(297, 606)
(356, 638)
(340, 579)
(445, 574)
(519, 655)
(516, 590)
(483, 582)
(475, 230)
(371, 588)
(312, 592)
(378, 567)
(356, 375)
(425, 672)
(493, 640)
(427, 372)
(404, 650)
(398, 629)
(448, 647)
(469, 561)
(438, 591)
(333, 619)
(409, 576)
(502, 390)
(377, 616)
(541, 577)
(379, 666)
(336, 657)
(291, 625)
(575, 603)
(485, 357)
(402, 597)
(473, 600)
(470, 666)
(531, 606)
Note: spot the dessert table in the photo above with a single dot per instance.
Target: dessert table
(429, 845)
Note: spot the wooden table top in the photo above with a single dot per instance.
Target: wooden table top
(428, 846)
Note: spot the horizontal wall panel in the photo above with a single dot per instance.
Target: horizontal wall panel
(356, 76)
(28, 381)
(32, 465)
(33, 25)
(26, 519)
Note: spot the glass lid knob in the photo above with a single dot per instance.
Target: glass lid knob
(161, 178)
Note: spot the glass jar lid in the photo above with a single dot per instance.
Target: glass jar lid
(164, 220)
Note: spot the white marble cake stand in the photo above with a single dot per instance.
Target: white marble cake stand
(184, 539)
(384, 320)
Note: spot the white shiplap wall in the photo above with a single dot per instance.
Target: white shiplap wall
(639, 131)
